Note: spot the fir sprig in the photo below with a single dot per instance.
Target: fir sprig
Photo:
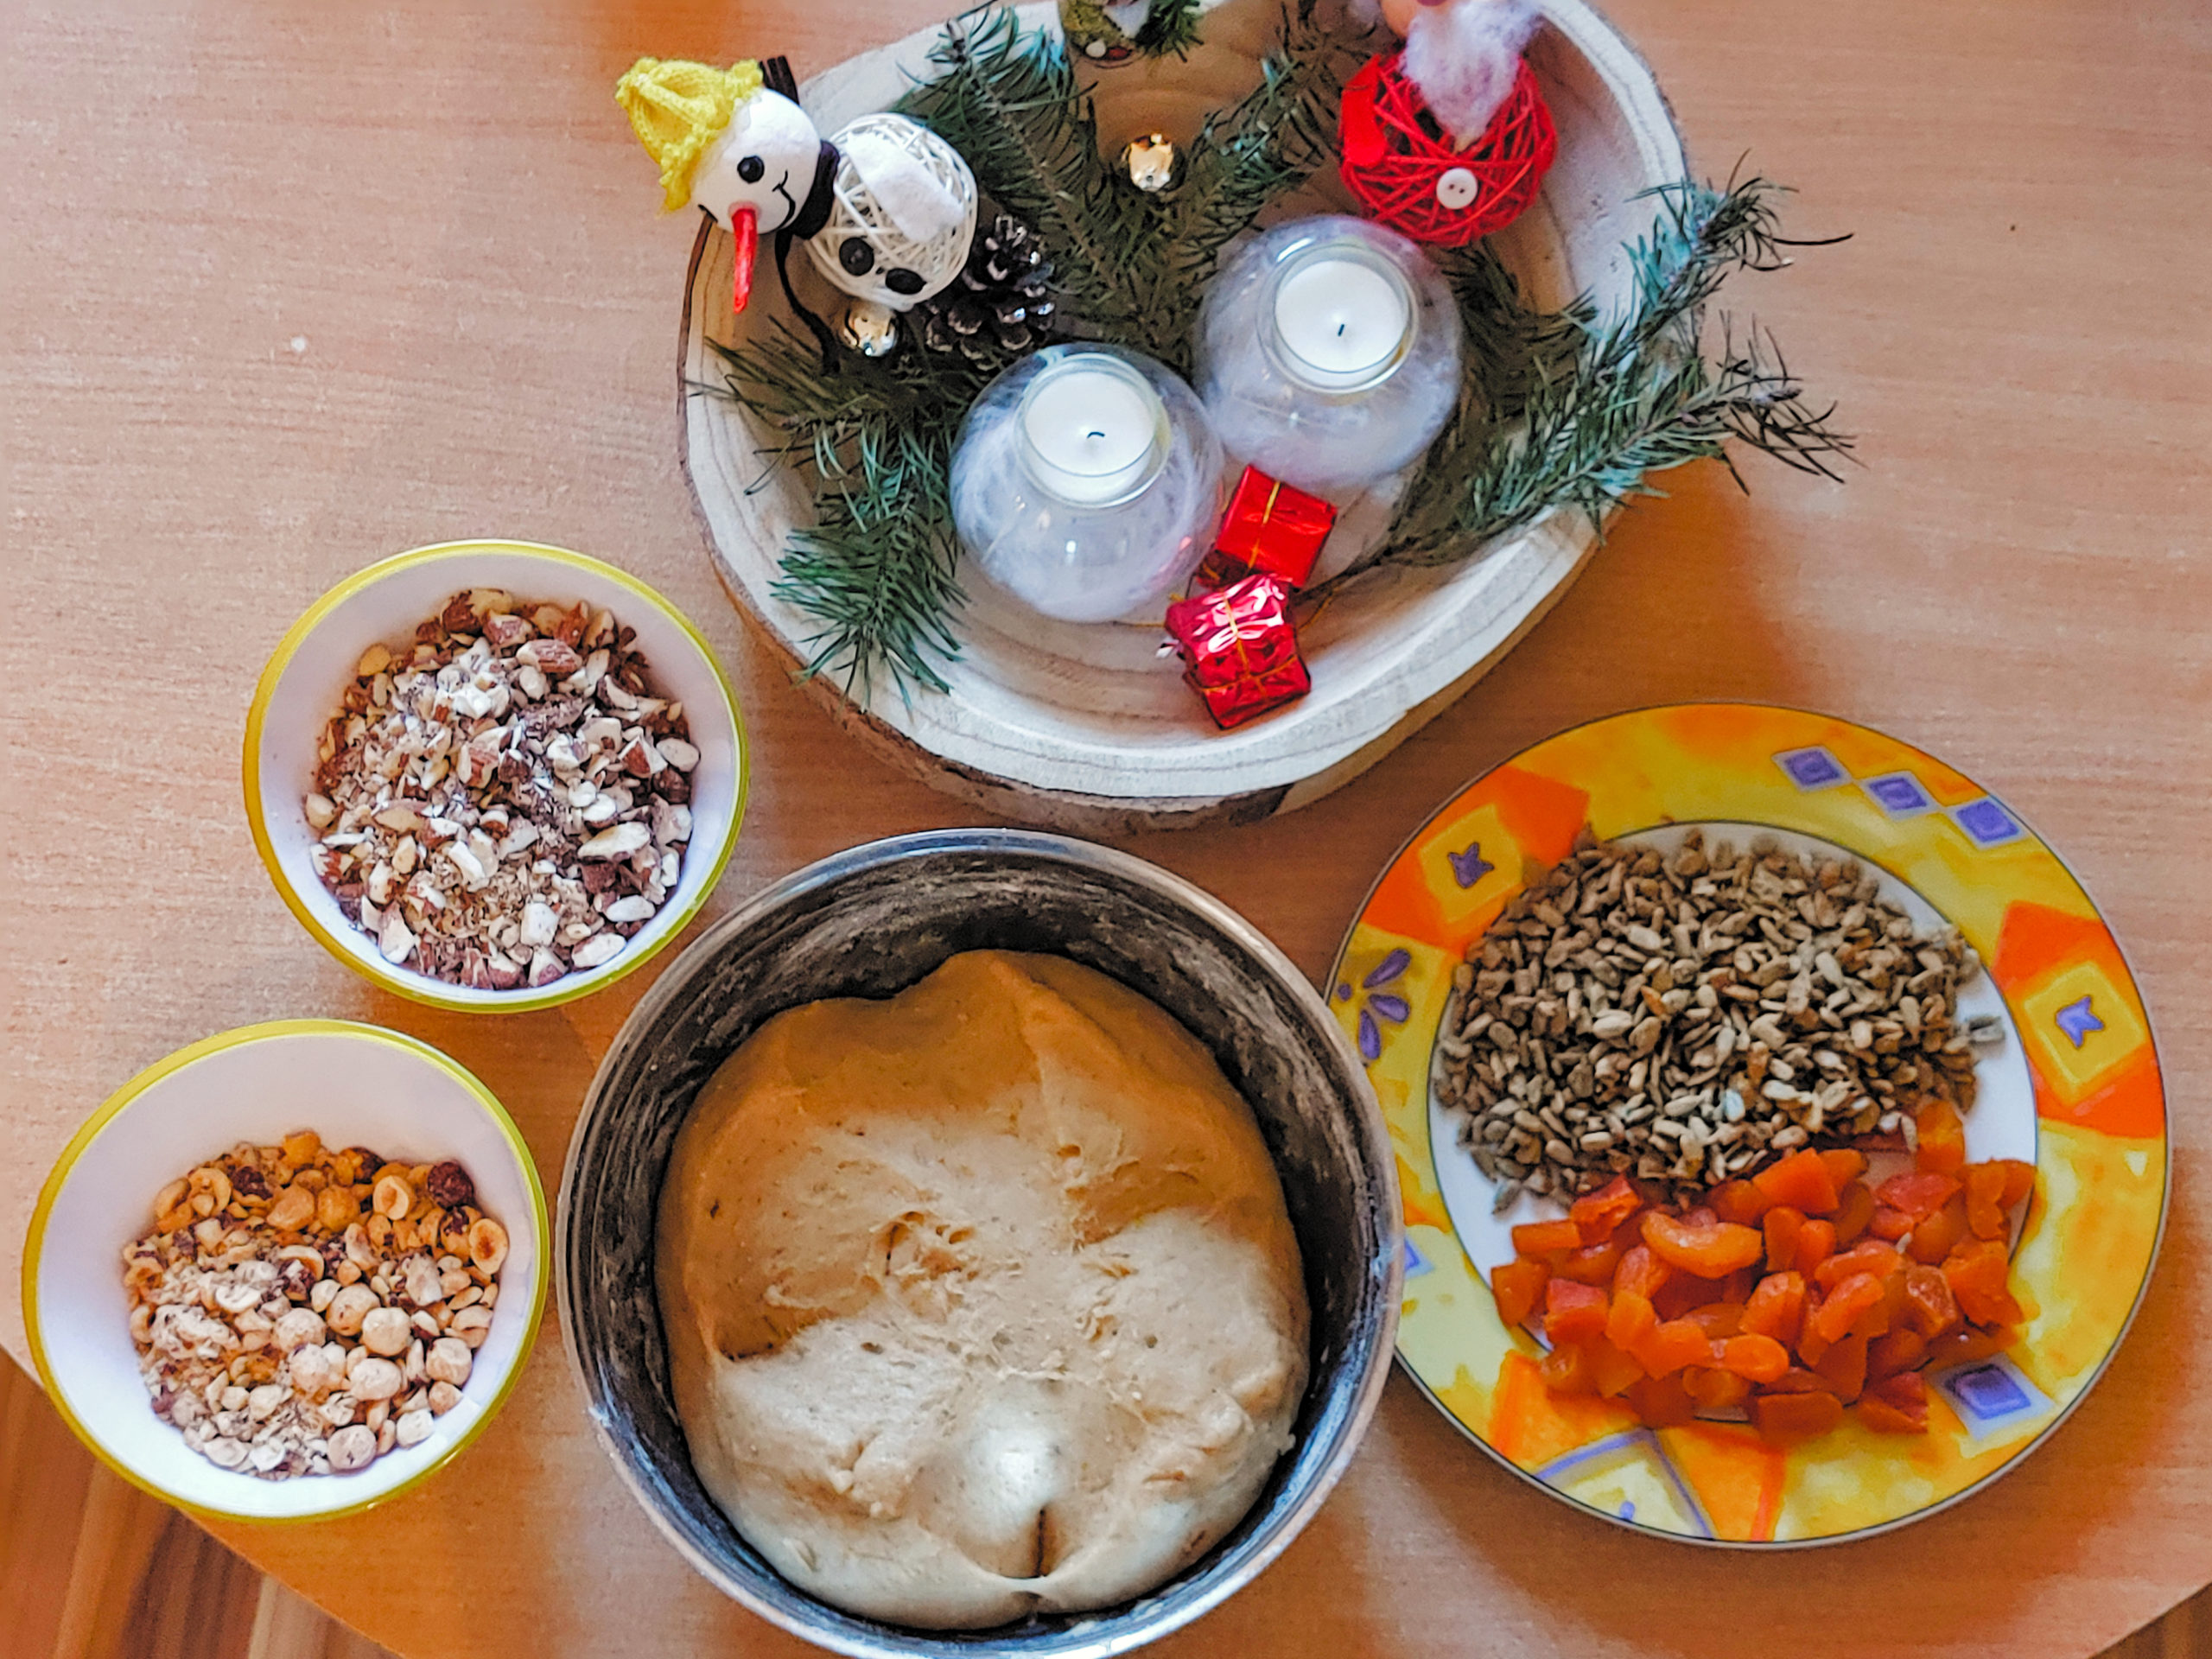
(1576, 409)
(1131, 267)
(1009, 102)
(875, 569)
(1172, 26)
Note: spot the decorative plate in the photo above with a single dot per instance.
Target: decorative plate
(2075, 1088)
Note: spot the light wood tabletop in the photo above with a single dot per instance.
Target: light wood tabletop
(289, 288)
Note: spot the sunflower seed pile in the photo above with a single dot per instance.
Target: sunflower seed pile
(1683, 1018)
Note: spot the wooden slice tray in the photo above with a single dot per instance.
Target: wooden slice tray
(1085, 728)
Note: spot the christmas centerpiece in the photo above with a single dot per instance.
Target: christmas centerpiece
(1463, 407)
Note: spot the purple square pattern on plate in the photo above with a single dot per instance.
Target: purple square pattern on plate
(1810, 769)
(1987, 823)
(1899, 794)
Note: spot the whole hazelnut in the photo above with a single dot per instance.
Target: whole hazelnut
(351, 1448)
(374, 1380)
(349, 1307)
(386, 1331)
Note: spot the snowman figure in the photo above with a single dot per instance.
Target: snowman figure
(885, 209)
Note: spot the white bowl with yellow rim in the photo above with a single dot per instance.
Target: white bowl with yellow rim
(352, 1085)
(315, 663)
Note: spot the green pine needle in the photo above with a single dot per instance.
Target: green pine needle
(1568, 408)
(1170, 26)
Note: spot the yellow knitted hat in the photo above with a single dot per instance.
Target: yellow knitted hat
(678, 108)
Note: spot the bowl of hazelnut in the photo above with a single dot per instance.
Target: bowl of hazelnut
(288, 1271)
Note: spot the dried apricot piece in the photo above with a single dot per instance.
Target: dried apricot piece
(1518, 1286)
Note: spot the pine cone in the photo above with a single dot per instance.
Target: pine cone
(1001, 302)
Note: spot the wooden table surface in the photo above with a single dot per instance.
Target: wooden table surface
(290, 287)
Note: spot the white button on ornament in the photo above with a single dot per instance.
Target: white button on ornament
(1457, 188)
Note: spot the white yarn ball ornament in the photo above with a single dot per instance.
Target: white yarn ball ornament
(903, 215)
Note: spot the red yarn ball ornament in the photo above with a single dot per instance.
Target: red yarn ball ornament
(1401, 168)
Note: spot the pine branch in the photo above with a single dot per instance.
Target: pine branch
(1574, 411)
(1170, 26)
(876, 569)
(1011, 104)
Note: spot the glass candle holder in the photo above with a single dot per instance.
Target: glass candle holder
(1085, 481)
(1328, 353)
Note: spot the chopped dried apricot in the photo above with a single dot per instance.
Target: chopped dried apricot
(1842, 1307)
(1592, 1264)
(1854, 1208)
(1640, 1271)
(1542, 1238)
(1919, 1192)
(1891, 1226)
(1894, 1351)
(1738, 1201)
(1816, 1243)
(1709, 1251)
(1801, 1180)
(1843, 1367)
(1715, 1389)
(1896, 1405)
(1977, 1271)
(1660, 1401)
(1943, 1138)
(1596, 1214)
(1777, 1308)
(1566, 1369)
(1868, 1256)
(1782, 1225)
(1672, 1345)
(1757, 1358)
(1785, 1419)
(1610, 1371)
(1629, 1320)
(1573, 1312)
(2019, 1179)
(1518, 1285)
(1985, 1212)
(1935, 1237)
(1930, 1304)
(1846, 1164)
(1718, 1320)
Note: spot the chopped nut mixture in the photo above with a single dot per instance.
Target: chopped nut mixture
(507, 800)
(303, 1310)
(1681, 1018)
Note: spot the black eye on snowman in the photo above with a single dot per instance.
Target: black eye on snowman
(855, 256)
(900, 280)
(751, 169)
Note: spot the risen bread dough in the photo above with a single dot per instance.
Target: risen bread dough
(980, 1300)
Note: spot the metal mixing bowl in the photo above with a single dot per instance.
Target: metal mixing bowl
(869, 923)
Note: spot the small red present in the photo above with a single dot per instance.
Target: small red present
(1271, 527)
(1240, 648)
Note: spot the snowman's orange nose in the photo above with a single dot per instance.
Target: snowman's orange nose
(744, 232)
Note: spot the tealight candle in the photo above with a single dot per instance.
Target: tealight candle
(1344, 318)
(1085, 482)
(1328, 354)
(1094, 430)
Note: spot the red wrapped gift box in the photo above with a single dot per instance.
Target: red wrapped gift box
(1269, 526)
(1240, 648)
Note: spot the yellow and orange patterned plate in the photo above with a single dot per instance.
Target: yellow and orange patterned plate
(2075, 1087)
